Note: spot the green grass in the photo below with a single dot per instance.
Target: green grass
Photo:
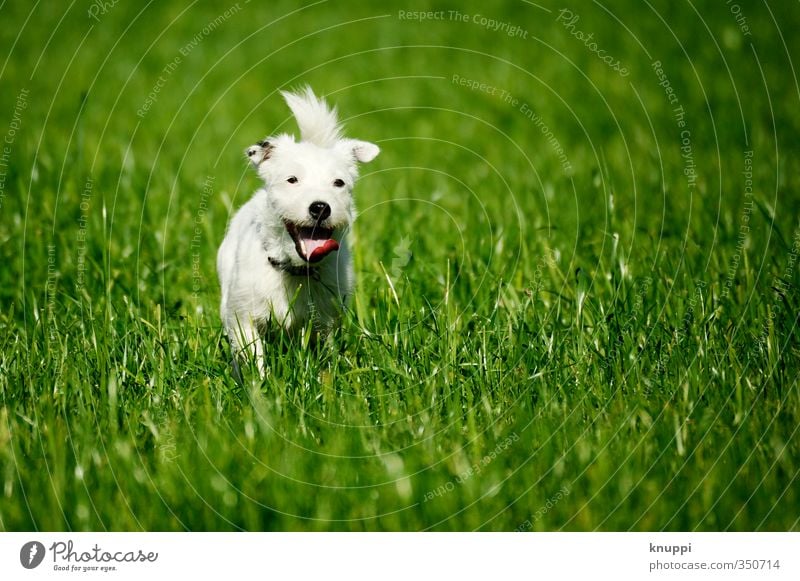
(592, 349)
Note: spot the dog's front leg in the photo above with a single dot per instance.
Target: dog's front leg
(249, 342)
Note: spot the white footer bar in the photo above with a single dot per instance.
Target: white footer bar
(388, 556)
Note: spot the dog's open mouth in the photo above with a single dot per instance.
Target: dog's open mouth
(313, 243)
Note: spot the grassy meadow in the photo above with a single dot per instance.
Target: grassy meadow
(577, 258)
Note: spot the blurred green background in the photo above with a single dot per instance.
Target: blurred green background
(573, 312)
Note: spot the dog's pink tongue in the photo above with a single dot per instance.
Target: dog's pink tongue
(319, 249)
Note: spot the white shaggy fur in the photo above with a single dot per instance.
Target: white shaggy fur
(279, 261)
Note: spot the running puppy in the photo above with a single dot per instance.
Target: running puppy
(284, 259)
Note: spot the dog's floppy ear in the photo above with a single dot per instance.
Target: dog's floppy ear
(260, 152)
(362, 151)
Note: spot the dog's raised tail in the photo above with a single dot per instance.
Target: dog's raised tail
(318, 123)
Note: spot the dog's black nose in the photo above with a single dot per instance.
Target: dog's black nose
(319, 211)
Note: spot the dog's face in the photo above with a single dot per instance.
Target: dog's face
(309, 192)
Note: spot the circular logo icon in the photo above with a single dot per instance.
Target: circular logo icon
(31, 554)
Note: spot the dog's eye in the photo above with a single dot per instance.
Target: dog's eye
(291, 180)
(338, 183)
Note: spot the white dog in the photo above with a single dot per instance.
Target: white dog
(284, 258)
